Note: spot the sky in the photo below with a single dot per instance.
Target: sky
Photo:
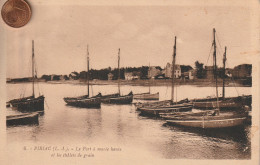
(145, 34)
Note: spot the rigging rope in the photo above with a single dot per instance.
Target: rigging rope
(227, 65)
(46, 103)
(233, 82)
(219, 43)
(209, 54)
(36, 68)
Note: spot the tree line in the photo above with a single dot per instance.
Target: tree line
(102, 74)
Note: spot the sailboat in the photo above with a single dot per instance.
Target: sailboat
(154, 109)
(118, 98)
(30, 103)
(212, 120)
(224, 103)
(148, 95)
(85, 101)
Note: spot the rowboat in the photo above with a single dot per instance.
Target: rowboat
(147, 96)
(209, 123)
(22, 119)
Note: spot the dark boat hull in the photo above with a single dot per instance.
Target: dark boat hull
(223, 104)
(127, 99)
(159, 103)
(23, 119)
(165, 109)
(28, 104)
(229, 103)
(92, 102)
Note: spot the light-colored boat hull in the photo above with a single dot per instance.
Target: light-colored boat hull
(147, 96)
(221, 123)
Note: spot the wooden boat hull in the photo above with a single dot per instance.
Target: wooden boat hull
(165, 109)
(118, 100)
(223, 105)
(147, 96)
(110, 95)
(28, 104)
(23, 119)
(229, 103)
(177, 115)
(159, 103)
(152, 104)
(209, 124)
(84, 103)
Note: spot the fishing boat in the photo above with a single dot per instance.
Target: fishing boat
(174, 108)
(147, 95)
(217, 119)
(180, 115)
(224, 103)
(22, 119)
(30, 103)
(118, 98)
(207, 123)
(85, 101)
(166, 106)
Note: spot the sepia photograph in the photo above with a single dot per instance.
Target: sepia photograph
(130, 82)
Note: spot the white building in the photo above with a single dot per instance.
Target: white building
(168, 71)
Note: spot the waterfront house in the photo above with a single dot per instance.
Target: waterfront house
(132, 75)
(110, 76)
(154, 71)
(168, 71)
(242, 71)
(74, 75)
(189, 74)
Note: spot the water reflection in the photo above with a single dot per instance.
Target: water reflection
(221, 143)
(121, 125)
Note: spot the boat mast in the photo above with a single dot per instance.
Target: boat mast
(224, 71)
(119, 71)
(33, 68)
(173, 69)
(88, 69)
(150, 79)
(215, 67)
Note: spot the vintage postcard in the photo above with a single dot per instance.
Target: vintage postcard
(129, 82)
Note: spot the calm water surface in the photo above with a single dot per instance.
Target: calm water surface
(122, 126)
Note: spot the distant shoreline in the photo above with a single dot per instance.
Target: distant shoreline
(165, 82)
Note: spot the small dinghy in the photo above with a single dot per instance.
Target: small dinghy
(22, 119)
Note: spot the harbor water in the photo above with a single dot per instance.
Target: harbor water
(122, 127)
